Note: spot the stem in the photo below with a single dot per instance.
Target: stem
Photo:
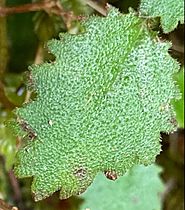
(49, 6)
(16, 189)
(15, 185)
(23, 8)
(3, 42)
(3, 204)
(96, 7)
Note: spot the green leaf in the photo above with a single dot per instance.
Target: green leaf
(79, 7)
(4, 188)
(170, 12)
(15, 89)
(179, 104)
(100, 106)
(139, 189)
(7, 141)
(47, 26)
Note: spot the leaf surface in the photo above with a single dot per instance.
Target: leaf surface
(171, 12)
(7, 140)
(100, 106)
(140, 188)
(179, 104)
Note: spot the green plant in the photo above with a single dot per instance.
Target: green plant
(170, 12)
(140, 188)
(88, 98)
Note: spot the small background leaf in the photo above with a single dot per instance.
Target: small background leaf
(170, 11)
(79, 7)
(139, 189)
(179, 104)
(7, 140)
(15, 89)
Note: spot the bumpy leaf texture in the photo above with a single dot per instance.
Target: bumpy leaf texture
(171, 12)
(140, 189)
(100, 106)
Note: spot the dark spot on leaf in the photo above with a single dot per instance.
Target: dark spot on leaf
(173, 121)
(81, 173)
(32, 135)
(25, 127)
(111, 175)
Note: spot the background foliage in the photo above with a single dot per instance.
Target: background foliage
(22, 43)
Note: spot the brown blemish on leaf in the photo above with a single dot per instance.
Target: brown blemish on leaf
(80, 173)
(25, 127)
(29, 79)
(174, 122)
(111, 175)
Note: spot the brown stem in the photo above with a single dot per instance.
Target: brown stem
(49, 6)
(96, 7)
(3, 204)
(3, 42)
(16, 189)
(46, 5)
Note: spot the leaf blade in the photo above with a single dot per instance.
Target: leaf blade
(100, 106)
(171, 12)
(140, 188)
